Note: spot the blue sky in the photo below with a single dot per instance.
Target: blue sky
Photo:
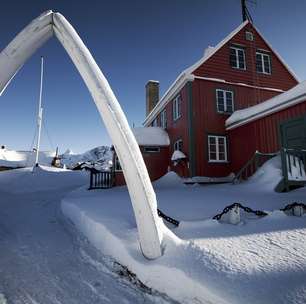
(132, 42)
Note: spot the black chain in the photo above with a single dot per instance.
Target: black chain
(246, 209)
(168, 218)
(291, 206)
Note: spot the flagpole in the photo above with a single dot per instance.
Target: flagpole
(40, 111)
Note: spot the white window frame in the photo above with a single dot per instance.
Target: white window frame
(217, 160)
(163, 119)
(236, 48)
(177, 107)
(177, 144)
(151, 149)
(262, 55)
(224, 101)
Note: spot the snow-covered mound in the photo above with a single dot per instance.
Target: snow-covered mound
(27, 180)
(20, 159)
(171, 179)
(269, 175)
(260, 260)
(102, 155)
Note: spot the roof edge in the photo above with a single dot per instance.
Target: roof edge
(291, 102)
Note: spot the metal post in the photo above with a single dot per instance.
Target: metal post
(40, 111)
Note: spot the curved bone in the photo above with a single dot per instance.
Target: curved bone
(135, 172)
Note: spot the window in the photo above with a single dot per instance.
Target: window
(263, 63)
(237, 58)
(163, 119)
(151, 149)
(177, 107)
(217, 149)
(178, 145)
(249, 36)
(155, 122)
(117, 164)
(225, 101)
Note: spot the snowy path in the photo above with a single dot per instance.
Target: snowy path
(44, 260)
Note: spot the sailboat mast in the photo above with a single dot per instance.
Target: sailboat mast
(40, 110)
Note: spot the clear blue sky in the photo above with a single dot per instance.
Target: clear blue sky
(132, 42)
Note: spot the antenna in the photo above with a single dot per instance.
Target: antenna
(245, 12)
(40, 110)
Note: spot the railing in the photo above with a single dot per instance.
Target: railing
(293, 166)
(257, 160)
(101, 179)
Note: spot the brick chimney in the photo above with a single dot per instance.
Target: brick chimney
(152, 95)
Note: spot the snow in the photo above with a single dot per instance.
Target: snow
(259, 260)
(43, 258)
(151, 136)
(293, 96)
(24, 45)
(178, 155)
(206, 179)
(18, 159)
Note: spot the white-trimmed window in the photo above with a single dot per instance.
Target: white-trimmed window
(176, 106)
(163, 119)
(263, 63)
(225, 101)
(178, 145)
(151, 149)
(117, 164)
(217, 149)
(237, 58)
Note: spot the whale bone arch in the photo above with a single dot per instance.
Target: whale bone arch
(143, 198)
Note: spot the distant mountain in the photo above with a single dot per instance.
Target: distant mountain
(100, 157)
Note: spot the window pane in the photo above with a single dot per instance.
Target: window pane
(267, 64)
(221, 156)
(212, 140)
(259, 67)
(221, 140)
(212, 148)
(233, 59)
(241, 59)
(229, 96)
(229, 108)
(212, 156)
(221, 148)
(221, 107)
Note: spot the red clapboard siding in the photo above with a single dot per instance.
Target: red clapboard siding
(208, 121)
(218, 65)
(178, 129)
(261, 135)
(157, 164)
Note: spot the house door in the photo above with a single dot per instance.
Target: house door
(293, 133)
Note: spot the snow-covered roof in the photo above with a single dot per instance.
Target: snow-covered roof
(178, 155)
(287, 99)
(151, 136)
(187, 75)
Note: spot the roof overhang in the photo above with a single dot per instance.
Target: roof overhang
(264, 112)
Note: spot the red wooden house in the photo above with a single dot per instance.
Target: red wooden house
(242, 71)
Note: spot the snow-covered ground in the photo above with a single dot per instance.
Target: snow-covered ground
(18, 159)
(43, 259)
(260, 260)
